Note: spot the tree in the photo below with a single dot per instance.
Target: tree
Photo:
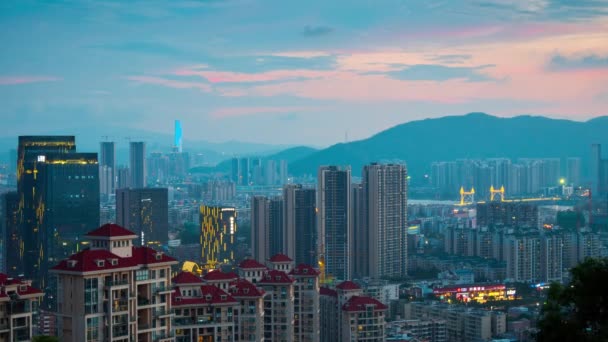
(45, 339)
(579, 310)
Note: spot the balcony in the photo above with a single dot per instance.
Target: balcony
(183, 321)
(159, 312)
(120, 305)
(113, 283)
(162, 288)
(143, 301)
(158, 337)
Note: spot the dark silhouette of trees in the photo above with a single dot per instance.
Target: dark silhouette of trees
(577, 311)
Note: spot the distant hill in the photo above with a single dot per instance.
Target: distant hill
(475, 135)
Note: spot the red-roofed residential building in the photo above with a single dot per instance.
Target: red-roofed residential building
(250, 317)
(306, 303)
(362, 319)
(251, 270)
(347, 315)
(18, 299)
(114, 291)
(203, 313)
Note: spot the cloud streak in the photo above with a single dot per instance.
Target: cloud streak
(16, 80)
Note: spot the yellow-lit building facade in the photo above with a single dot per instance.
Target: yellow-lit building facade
(218, 235)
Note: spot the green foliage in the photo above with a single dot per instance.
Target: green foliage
(190, 234)
(45, 339)
(570, 219)
(579, 310)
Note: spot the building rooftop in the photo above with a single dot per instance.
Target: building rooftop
(183, 278)
(210, 295)
(244, 288)
(280, 258)
(218, 275)
(110, 230)
(348, 286)
(90, 260)
(326, 291)
(304, 270)
(358, 303)
(248, 264)
(276, 277)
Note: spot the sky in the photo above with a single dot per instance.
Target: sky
(312, 72)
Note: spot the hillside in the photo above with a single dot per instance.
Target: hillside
(475, 135)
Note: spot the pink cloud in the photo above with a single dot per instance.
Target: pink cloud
(170, 83)
(14, 80)
(244, 111)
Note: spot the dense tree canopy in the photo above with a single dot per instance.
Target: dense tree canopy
(579, 310)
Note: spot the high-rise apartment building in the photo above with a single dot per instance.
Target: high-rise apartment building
(244, 171)
(260, 228)
(334, 221)
(18, 303)
(573, 171)
(595, 167)
(107, 168)
(385, 198)
(267, 233)
(360, 232)
(522, 254)
(114, 291)
(218, 235)
(235, 171)
(145, 212)
(59, 190)
(137, 164)
(300, 237)
(123, 177)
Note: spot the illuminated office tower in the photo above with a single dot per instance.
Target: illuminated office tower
(59, 190)
(300, 231)
(137, 164)
(334, 221)
(218, 235)
(178, 136)
(146, 213)
(385, 198)
(107, 168)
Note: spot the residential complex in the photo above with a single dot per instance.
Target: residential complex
(114, 290)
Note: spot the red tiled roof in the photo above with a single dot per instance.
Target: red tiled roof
(304, 270)
(276, 277)
(86, 260)
(110, 230)
(5, 280)
(326, 291)
(280, 258)
(348, 286)
(357, 303)
(250, 264)
(209, 295)
(244, 288)
(183, 278)
(219, 275)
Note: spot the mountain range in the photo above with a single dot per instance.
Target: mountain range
(474, 135)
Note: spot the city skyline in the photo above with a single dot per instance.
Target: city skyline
(281, 67)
